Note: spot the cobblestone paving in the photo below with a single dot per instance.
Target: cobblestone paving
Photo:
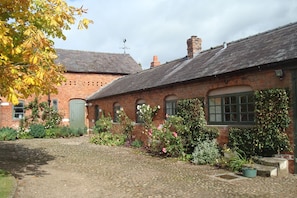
(75, 168)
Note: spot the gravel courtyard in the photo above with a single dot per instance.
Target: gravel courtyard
(58, 168)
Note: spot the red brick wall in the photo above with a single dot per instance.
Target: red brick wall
(257, 80)
(77, 86)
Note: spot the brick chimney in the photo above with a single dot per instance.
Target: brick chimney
(155, 62)
(194, 46)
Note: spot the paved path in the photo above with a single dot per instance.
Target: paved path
(75, 168)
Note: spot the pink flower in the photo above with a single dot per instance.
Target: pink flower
(160, 127)
(174, 134)
(150, 132)
(164, 150)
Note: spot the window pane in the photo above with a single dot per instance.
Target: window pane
(212, 118)
(251, 107)
(243, 108)
(18, 110)
(218, 109)
(233, 108)
(212, 109)
(171, 107)
(233, 100)
(116, 110)
(227, 109)
(243, 99)
(218, 117)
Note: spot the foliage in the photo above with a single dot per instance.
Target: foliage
(27, 60)
(63, 132)
(7, 133)
(191, 110)
(268, 137)
(24, 134)
(272, 113)
(7, 184)
(126, 123)
(41, 113)
(104, 124)
(206, 152)
(37, 131)
(137, 143)
(237, 161)
(272, 109)
(245, 140)
(147, 114)
(165, 139)
(108, 139)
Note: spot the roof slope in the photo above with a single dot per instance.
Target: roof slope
(95, 62)
(269, 47)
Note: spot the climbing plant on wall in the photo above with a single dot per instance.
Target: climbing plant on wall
(272, 119)
(268, 136)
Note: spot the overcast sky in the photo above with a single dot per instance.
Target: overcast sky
(161, 27)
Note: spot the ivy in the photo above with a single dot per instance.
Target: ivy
(268, 137)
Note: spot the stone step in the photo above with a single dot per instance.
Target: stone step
(263, 170)
(281, 164)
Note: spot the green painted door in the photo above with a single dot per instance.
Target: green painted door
(77, 113)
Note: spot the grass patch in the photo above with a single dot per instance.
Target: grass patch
(6, 184)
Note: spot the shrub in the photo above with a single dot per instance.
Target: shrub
(137, 143)
(24, 134)
(166, 140)
(64, 132)
(104, 124)
(8, 133)
(126, 124)
(191, 110)
(108, 139)
(147, 114)
(51, 133)
(245, 140)
(37, 131)
(206, 152)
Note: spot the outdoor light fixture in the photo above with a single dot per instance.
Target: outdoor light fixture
(279, 73)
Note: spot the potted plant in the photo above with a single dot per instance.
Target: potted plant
(236, 162)
(248, 170)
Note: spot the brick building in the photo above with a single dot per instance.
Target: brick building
(229, 71)
(86, 72)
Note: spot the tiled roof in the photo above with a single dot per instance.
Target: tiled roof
(95, 62)
(262, 49)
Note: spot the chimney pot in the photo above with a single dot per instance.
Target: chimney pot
(194, 46)
(155, 62)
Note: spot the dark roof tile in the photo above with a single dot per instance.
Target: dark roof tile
(269, 47)
(97, 62)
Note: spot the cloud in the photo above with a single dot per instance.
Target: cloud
(161, 27)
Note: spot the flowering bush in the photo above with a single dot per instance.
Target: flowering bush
(165, 139)
(147, 114)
